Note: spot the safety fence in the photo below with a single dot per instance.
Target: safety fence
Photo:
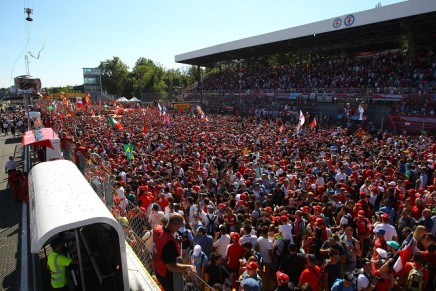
(134, 219)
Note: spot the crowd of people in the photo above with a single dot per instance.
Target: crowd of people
(13, 125)
(382, 72)
(247, 203)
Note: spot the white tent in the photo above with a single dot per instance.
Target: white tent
(122, 99)
(134, 99)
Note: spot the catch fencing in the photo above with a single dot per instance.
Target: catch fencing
(133, 219)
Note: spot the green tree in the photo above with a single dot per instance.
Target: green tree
(114, 75)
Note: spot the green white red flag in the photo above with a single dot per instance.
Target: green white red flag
(115, 123)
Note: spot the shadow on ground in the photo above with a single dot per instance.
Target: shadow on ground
(13, 140)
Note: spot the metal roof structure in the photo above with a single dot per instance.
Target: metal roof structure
(378, 28)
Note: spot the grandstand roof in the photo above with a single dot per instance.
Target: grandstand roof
(374, 29)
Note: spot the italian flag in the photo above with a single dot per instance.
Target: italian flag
(115, 123)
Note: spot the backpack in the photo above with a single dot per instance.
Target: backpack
(362, 229)
(412, 177)
(210, 227)
(415, 279)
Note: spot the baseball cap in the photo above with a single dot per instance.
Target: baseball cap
(197, 250)
(382, 253)
(283, 218)
(317, 208)
(393, 244)
(235, 236)
(380, 231)
(268, 209)
(305, 209)
(283, 278)
(343, 221)
(252, 266)
(349, 277)
(250, 284)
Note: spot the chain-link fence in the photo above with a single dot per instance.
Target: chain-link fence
(134, 220)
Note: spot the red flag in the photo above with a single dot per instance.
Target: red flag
(313, 123)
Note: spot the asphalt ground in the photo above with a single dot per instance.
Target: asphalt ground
(10, 218)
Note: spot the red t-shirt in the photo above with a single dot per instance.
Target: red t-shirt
(363, 225)
(231, 220)
(234, 253)
(380, 243)
(311, 275)
(163, 203)
(408, 267)
(417, 212)
(383, 284)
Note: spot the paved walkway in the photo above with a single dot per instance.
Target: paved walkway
(10, 218)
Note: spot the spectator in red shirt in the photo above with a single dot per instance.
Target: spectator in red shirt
(417, 263)
(234, 253)
(312, 273)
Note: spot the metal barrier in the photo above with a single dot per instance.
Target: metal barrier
(134, 221)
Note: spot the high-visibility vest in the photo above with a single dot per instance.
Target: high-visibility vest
(57, 263)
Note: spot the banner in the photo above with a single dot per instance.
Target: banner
(181, 105)
(411, 123)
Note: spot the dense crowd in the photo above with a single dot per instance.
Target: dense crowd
(266, 209)
(383, 72)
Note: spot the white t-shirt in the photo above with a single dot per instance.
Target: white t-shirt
(390, 230)
(10, 165)
(265, 244)
(192, 210)
(221, 244)
(249, 237)
(155, 218)
(320, 181)
(286, 230)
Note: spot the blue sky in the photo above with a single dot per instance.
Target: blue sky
(78, 34)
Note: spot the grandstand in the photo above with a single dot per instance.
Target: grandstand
(382, 57)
